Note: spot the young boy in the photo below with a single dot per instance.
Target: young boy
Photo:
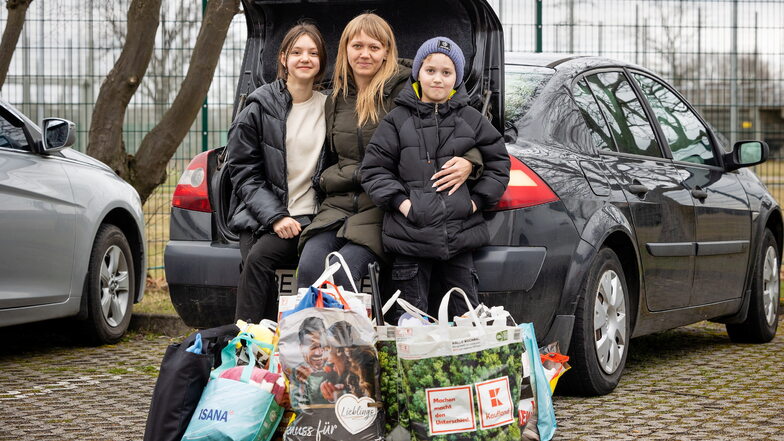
(432, 234)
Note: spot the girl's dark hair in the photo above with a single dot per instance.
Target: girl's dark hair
(291, 37)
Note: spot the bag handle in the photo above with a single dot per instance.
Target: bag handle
(344, 266)
(229, 355)
(415, 312)
(320, 298)
(326, 276)
(443, 309)
(388, 305)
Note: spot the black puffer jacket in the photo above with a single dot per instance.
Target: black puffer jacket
(412, 142)
(256, 160)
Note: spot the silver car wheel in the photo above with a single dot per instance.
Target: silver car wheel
(609, 321)
(770, 285)
(114, 286)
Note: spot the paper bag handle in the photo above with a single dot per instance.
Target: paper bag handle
(443, 309)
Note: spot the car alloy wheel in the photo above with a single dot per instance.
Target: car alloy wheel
(115, 286)
(762, 318)
(770, 285)
(609, 321)
(111, 286)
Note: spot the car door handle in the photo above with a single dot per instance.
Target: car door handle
(699, 193)
(638, 189)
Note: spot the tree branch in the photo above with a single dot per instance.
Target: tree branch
(17, 9)
(160, 144)
(105, 137)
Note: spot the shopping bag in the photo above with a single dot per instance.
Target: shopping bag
(536, 414)
(236, 410)
(329, 357)
(353, 296)
(462, 382)
(392, 395)
(180, 383)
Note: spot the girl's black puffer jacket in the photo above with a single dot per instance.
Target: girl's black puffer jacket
(411, 143)
(256, 160)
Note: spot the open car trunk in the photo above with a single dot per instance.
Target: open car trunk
(472, 24)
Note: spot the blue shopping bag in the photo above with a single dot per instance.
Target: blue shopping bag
(542, 394)
(231, 410)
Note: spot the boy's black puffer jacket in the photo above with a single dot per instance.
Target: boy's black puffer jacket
(411, 143)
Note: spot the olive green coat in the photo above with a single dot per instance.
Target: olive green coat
(347, 208)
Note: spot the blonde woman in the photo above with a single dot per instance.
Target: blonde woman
(368, 77)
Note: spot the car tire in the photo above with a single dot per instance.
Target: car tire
(597, 352)
(111, 286)
(762, 320)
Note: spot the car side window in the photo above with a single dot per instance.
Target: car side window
(12, 137)
(624, 114)
(686, 135)
(592, 115)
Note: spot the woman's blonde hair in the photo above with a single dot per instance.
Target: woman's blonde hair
(371, 98)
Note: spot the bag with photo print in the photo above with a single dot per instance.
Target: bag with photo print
(330, 359)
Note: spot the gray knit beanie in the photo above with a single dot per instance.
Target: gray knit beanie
(445, 46)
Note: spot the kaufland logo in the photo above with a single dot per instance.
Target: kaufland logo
(215, 415)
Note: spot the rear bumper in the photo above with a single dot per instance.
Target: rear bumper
(203, 277)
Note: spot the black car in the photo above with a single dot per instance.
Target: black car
(626, 213)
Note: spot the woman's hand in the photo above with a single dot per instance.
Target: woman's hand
(286, 227)
(453, 174)
(405, 207)
(328, 391)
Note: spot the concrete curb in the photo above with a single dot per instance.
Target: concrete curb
(169, 325)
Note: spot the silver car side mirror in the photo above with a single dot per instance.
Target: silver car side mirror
(58, 134)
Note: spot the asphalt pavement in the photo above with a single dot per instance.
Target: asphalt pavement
(686, 384)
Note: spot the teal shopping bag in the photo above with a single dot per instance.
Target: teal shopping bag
(232, 410)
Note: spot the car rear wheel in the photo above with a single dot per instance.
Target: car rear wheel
(110, 286)
(600, 340)
(763, 318)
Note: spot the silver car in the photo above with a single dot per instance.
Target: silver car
(71, 231)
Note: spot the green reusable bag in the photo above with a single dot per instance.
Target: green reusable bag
(462, 382)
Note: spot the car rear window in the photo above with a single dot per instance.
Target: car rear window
(522, 85)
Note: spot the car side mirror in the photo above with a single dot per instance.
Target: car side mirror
(58, 134)
(745, 154)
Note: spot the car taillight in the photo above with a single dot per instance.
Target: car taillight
(191, 191)
(525, 189)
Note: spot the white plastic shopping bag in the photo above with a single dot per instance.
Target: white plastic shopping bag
(462, 381)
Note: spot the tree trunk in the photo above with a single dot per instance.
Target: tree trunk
(148, 169)
(17, 9)
(105, 139)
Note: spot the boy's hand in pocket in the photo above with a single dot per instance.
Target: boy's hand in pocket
(405, 207)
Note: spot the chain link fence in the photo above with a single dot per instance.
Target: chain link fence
(725, 56)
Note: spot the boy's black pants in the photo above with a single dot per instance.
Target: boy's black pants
(423, 282)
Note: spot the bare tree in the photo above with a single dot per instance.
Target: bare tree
(17, 10)
(105, 141)
(677, 62)
(176, 30)
(147, 169)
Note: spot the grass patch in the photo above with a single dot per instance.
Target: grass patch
(156, 298)
(118, 371)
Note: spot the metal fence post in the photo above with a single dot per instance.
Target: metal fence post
(734, 76)
(205, 114)
(538, 25)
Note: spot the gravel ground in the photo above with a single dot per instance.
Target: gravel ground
(686, 384)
